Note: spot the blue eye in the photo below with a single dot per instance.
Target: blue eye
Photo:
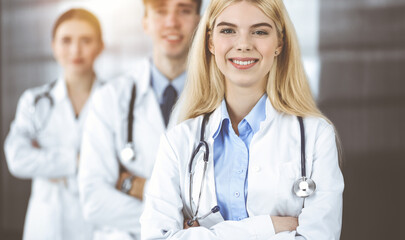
(86, 40)
(259, 32)
(227, 31)
(161, 11)
(186, 11)
(66, 40)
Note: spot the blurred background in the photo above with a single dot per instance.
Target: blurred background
(354, 55)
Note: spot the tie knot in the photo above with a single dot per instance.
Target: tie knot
(169, 93)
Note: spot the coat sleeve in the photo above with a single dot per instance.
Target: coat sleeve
(103, 204)
(26, 161)
(321, 217)
(163, 217)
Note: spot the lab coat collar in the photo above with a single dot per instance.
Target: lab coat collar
(141, 75)
(216, 118)
(59, 91)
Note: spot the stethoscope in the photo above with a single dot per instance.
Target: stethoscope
(128, 153)
(34, 108)
(202, 145)
(302, 187)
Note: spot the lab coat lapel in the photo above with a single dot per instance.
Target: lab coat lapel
(61, 96)
(146, 97)
(97, 84)
(59, 91)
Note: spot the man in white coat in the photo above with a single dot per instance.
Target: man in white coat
(127, 118)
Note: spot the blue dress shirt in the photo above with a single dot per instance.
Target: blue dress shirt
(231, 160)
(160, 82)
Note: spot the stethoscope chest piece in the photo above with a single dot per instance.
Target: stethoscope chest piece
(128, 153)
(304, 187)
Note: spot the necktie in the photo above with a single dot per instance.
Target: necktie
(169, 99)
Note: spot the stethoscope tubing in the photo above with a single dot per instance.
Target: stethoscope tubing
(38, 97)
(299, 192)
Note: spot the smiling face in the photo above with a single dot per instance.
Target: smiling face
(244, 42)
(76, 45)
(171, 25)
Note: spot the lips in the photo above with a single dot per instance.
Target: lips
(243, 63)
(77, 61)
(173, 38)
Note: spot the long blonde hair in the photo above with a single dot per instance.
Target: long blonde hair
(287, 85)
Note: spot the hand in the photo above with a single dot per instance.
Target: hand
(186, 226)
(138, 184)
(282, 224)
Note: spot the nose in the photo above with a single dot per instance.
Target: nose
(244, 43)
(172, 20)
(75, 48)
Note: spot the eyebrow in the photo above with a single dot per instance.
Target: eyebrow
(186, 5)
(226, 24)
(253, 26)
(262, 25)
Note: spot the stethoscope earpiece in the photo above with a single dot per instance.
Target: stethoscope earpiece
(303, 187)
(128, 153)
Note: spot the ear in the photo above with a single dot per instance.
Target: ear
(100, 50)
(210, 44)
(278, 50)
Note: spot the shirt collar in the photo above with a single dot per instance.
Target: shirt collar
(257, 114)
(254, 118)
(160, 82)
(224, 117)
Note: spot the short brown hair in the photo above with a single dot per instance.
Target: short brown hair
(157, 2)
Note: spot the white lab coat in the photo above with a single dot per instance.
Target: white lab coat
(54, 210)
(274, 164)
(115, 214)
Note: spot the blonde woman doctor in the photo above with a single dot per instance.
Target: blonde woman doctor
(44, 140)
(232, 169)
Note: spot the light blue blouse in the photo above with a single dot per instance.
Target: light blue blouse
(231, 160)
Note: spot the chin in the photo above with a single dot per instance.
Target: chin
(175, 55)
(80, 70)
(245, 82)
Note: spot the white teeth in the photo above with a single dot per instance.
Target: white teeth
(173, 37)
(243, 62)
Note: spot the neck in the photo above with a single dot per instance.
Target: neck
(79, 82)
(240, 101)
(171, 68)
(79, 88)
